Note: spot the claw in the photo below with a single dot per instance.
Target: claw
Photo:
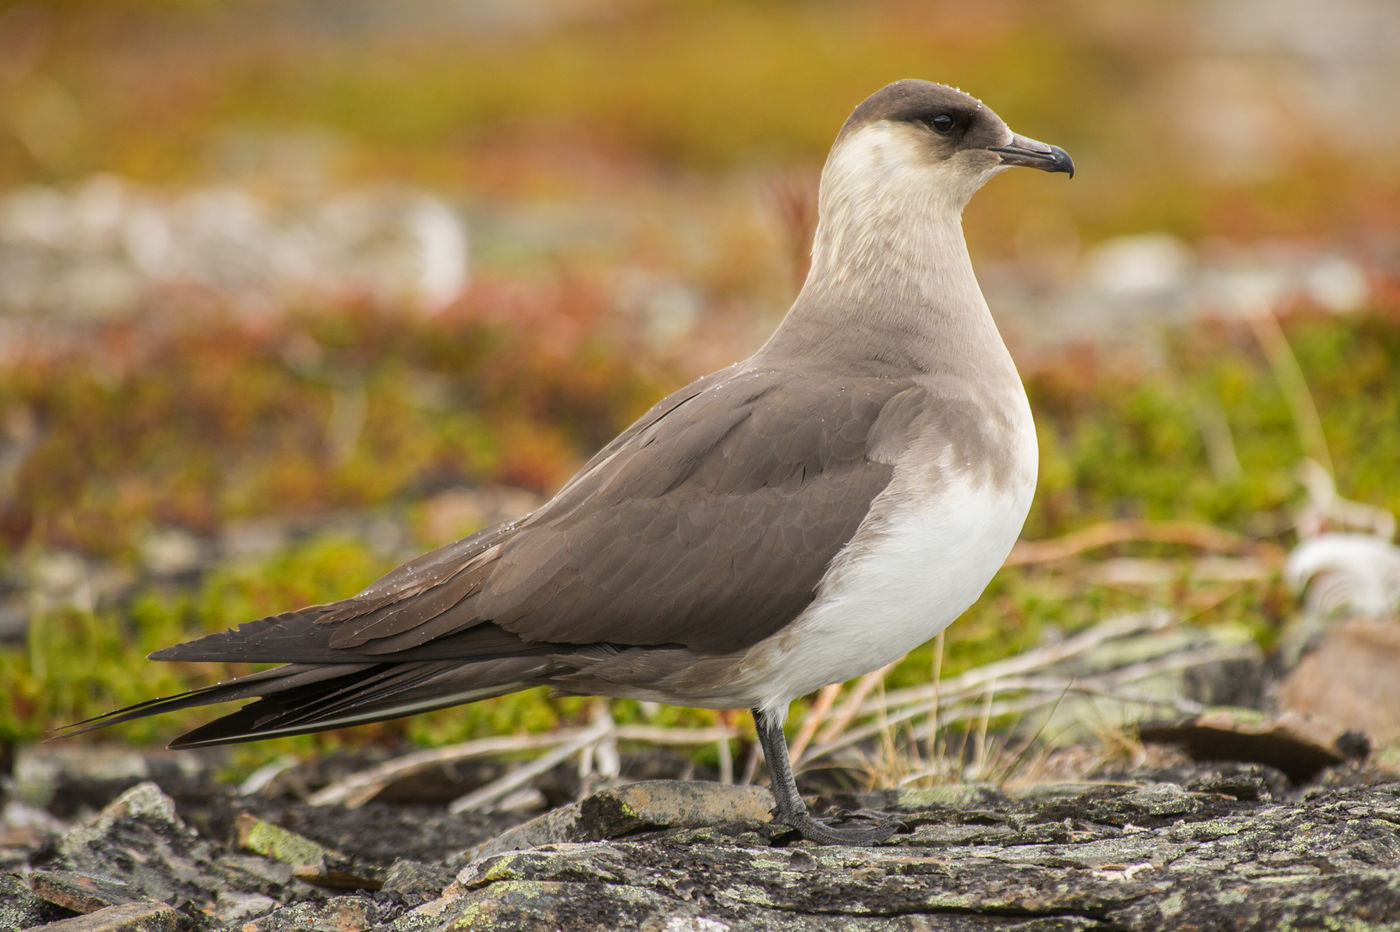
(792, 811)
(862, 829)
(867, 815)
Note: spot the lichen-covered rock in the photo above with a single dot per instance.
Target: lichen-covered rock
(338, 914)
(21, 908)
(1201, 848)
(146, 916)
(310, 861)
(138, 848)
(625, 810)
(1115, 857)
(417, 879)
(82, 893)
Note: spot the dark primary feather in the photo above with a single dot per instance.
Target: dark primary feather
(355, 694)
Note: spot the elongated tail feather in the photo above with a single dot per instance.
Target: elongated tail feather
(302, 698)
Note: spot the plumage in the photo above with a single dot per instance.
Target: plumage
(800, 517)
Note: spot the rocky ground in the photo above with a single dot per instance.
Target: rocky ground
(113, 840)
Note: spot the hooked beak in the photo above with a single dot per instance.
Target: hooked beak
(1033, 154)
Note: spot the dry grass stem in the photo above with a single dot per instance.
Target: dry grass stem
(726, 761)
(855, 702)
(1039, 658)
(1134, 571)
(826, 697)
(1219, 442)
(931, 740)
(751, 764)
(359, 788)
(1293, 384)
(1018, 686)
(1184, 533)
(519, 776)
(1035, 694)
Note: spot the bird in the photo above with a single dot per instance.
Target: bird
(802, 517)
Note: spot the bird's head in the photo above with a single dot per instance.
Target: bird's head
(915, 142)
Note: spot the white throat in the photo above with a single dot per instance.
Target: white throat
(891, 218)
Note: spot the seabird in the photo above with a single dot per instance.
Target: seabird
(797, 519)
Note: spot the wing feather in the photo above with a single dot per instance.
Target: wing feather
(709, 530)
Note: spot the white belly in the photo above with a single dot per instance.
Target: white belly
(921, 566)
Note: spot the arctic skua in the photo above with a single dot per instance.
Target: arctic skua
(797, 519)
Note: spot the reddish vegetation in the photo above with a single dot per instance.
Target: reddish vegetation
(206, 418)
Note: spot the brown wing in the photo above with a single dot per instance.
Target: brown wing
(708, 526)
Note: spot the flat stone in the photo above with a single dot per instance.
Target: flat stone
(1298, 745)
(21, 907)
(145, 916)
(310, 861)
(233, 906)
(1351, 679)
(605, 885)
(338, 914)
(513, 905)
(636, 807)
(416, 878)
(82, 893)
(273, 841)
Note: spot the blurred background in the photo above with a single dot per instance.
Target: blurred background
(293, 289)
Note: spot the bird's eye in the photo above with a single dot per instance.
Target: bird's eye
(942, 123)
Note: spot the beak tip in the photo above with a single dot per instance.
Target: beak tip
(1062, 161)
(1033, 154)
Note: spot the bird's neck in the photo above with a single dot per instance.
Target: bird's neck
(891, 282)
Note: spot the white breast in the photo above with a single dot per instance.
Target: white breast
(916, 564)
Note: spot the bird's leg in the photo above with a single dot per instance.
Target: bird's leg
(792, 811)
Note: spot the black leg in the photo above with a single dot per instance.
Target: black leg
(792, 810)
